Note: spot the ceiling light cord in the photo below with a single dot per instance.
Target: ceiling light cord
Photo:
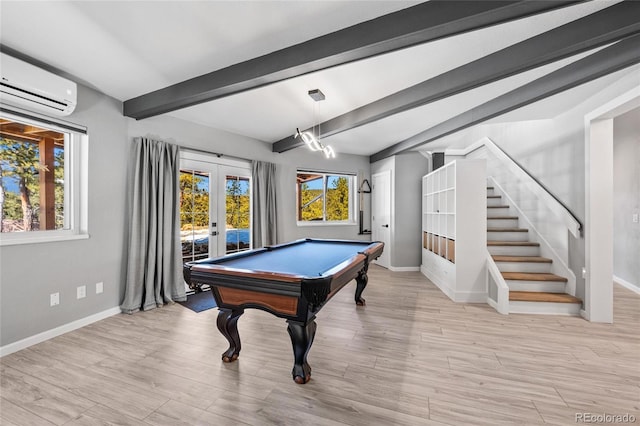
(308, 138)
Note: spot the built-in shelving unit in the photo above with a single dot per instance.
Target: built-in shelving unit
(439, 212)
(454, 226)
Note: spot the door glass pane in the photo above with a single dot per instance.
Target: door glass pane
(194, 214)
(238, 214)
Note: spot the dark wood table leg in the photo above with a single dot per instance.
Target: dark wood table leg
(301, 340)
(228, 325)
(361, 281)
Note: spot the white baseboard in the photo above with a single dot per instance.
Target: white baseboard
(54, 332)
(404, 268)
(626, 284)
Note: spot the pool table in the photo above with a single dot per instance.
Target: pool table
(292, 281)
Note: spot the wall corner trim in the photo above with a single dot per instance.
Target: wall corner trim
(54, 332)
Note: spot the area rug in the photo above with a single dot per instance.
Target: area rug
(199, 302)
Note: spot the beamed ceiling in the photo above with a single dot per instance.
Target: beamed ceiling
(397, 75)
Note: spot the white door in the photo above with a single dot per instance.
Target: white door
(381, 217)
(215, 209)
(199, 208)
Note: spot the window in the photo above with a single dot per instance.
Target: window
(40, 188)
(325, 197)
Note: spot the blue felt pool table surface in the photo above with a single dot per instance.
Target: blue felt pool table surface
(309, 258)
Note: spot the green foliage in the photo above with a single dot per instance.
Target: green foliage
(237, 204)
(336, 207)
(19, 161)
(338, 200)
(311, 203)
(194, 201)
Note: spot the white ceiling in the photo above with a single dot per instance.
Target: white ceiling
(129, 48)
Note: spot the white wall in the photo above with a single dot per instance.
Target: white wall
(553, 151)
(626, 197)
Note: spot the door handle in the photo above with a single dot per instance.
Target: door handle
(385, 226)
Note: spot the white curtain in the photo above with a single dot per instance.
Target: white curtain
(154, 265)
(265, 212)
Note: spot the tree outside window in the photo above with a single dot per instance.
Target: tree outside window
(32, 178)
(324, 197)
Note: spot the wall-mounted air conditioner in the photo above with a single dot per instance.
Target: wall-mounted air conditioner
(32, 88)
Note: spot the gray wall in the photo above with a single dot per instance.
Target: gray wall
(205, 138)
(30, 272)
(406, 170)
(407, 250)
(626, 196)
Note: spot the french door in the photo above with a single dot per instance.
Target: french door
(215, 207)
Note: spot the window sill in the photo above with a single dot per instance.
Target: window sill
(39, 238)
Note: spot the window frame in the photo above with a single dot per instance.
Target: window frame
(352, 200)
(76, 181)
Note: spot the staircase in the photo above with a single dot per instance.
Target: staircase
(532, 286)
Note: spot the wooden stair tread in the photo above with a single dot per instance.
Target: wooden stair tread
(489, 187)
(502, 217)
(530, 296)
(532, 259)
(498, 207)
(512, 243)
(532, 276)
(507, 230)
(494, 196)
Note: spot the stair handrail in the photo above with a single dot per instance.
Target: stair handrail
(570, 220)
(501, 304)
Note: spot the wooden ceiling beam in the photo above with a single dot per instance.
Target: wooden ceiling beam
(418, 24)
(595, 30)
(622, 54)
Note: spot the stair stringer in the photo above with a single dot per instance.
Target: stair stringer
(558, 266)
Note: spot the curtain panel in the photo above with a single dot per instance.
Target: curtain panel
(265, 212)
(154, 264)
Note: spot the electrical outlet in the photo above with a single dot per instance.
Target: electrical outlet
(54, 299)
(81, 292)
(99, 287)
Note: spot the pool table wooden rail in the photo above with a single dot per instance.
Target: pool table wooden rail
(297, 298)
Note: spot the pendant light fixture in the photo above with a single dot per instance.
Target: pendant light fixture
(310, 140)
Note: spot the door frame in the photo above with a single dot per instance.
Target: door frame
(388, 249)
(192, 159)
(598, 271)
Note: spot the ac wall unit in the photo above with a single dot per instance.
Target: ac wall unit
(34, 89)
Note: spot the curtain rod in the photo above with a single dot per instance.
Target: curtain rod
(217, 154)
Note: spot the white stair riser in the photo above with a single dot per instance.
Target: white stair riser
(502, 211)
(495, 202)
(533, 267)
(507, 236)
(514, 250)
(502, 223)
(550, 308)
(537, 286)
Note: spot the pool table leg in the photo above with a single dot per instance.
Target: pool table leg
(228, 326)
(361, 281)
(301, 340)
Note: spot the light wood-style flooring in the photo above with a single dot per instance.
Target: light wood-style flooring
(410, 357)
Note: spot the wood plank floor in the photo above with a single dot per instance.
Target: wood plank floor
(410, 357)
